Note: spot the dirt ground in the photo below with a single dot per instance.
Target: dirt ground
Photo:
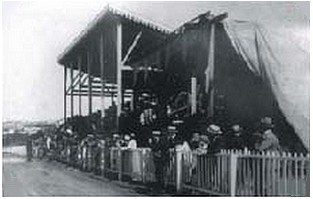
(43, 178)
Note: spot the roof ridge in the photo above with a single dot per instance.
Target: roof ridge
(138, 19)
(115, 11)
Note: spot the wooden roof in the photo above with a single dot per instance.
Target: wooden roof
(152, 36)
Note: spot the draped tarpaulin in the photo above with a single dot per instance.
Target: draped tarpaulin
(280, 63)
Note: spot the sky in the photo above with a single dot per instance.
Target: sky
(35, 33)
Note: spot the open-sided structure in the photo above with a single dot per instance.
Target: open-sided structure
(228, 67)
(102, 55)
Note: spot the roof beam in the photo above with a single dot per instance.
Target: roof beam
(131, 48)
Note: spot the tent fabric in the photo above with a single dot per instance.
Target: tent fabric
(281, 64)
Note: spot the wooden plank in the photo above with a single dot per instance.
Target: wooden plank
(132, 46)
(75, 80)
(258, 180)
(64, 101)
(193, 95)
(208, 191)
(119, 68)
(101, 57)
(279, 175)
(72, 97)
(273, 175)
(210, 70)
(296, 174)
(269, 185)
(89, 82)
(289, 178)
(285, 174)
(233, 174)
(79, 85)
(99, 91)
(97, 94)
(302, 176)
(263, 174)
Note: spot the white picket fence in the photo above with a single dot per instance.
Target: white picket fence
(246, 173)
(228, 173)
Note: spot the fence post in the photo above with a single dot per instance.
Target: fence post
(179, 171)
(102, 157)
(307, 194)
(143, 165)
(119, 155)
(233, 173)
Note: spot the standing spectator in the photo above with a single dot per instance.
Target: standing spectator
(194, 142)
(48, 142)
(217, 139)
(132, 144)
(158, 159)
(269, 140)
(234, 139)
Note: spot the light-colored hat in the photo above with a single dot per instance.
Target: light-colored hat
(236, 128)
(178, 122)
(156, 132)
(214, 129)
(127, 137)
(171, 129)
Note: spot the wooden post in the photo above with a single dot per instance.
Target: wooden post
(102, 73)
(132, 101)
(89, 82)
(72, 91)
(179, 172)
(210, 71)
(233, 173)
(120, 161)
(119, 68)
(193, 95)
(102, 162)
(80, 86)
(64, 105)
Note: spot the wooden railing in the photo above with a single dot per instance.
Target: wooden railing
(228, 173)
(246, 173)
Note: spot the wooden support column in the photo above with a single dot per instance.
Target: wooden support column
(80, 86)
(167, 56)
(89, 82)
(102, 73)
(132, 107)
(119, 68)
(209, 86)
(72, 89)
(193, 95)
(65, 93)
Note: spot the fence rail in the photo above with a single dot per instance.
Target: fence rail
(228, 173)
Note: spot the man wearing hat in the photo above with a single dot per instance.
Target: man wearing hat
(269, 140)
(172, 131)
(234, 138)
(158, 158)
(216, 138)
